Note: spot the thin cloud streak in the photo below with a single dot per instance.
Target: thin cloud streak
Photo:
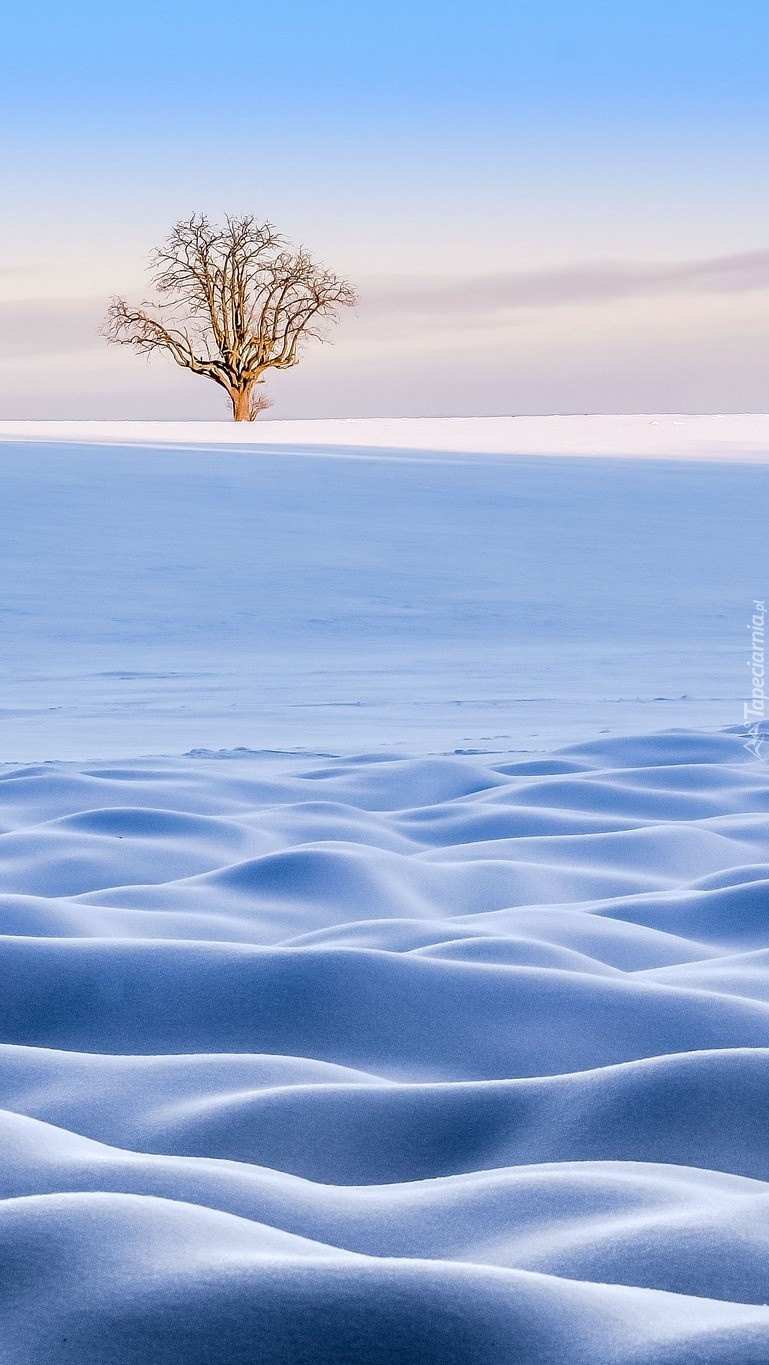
(43, 327)
(493, 296)
(391, 305)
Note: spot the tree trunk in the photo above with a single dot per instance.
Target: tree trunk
(241, 405)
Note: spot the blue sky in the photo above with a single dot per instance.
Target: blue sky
(575, 193)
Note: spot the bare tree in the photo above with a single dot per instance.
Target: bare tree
(234, 302)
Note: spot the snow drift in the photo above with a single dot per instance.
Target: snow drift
(373, 1059)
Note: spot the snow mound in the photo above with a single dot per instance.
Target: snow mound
(375, 1059)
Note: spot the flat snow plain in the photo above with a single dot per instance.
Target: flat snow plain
(165, 596)
(380, 1050)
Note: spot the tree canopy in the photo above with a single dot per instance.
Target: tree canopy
(233, 302)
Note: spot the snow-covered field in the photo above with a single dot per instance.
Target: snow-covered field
(736, 436)
(384, 980)
(158, 598)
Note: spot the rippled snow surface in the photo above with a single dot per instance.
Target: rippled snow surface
(374, 1059)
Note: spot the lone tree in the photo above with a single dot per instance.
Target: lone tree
(234, 302)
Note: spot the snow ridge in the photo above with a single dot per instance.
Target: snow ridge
(368, 1059)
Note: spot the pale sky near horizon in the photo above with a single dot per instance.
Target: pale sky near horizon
(553, 207)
